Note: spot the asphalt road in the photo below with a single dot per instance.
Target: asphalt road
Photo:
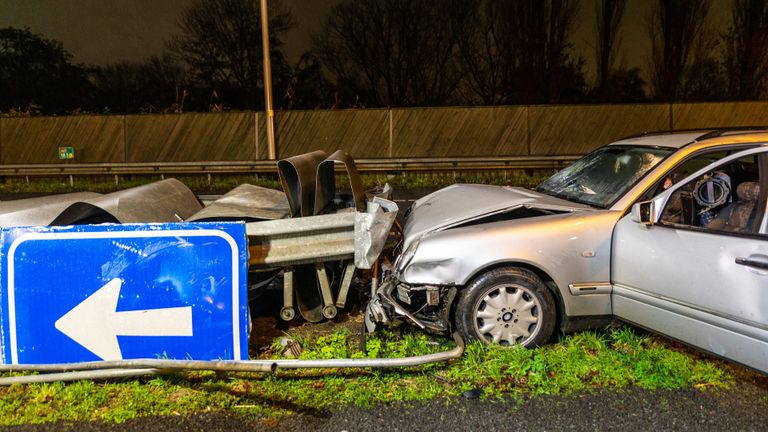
(743, 408)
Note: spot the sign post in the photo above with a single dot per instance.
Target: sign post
(112, 292)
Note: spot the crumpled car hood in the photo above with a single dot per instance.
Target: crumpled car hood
(461, 203)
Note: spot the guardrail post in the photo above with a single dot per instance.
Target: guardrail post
(391, 133)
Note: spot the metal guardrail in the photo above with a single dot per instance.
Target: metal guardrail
(270, 167)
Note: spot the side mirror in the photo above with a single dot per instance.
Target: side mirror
(642, 212)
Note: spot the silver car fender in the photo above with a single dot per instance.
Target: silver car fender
(571, 248)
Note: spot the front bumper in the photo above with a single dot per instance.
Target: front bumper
(431, 313)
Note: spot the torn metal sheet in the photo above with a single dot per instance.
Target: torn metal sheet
(297, 175)
(372, 230)
(325, 185)
(379, 191)
(346, 282)
(39, 211)
(163, 201)
(248, 203)
(335, 237)
(308, 292)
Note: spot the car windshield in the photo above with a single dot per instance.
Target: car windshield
(600, 178)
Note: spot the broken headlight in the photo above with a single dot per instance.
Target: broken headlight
(405, 258)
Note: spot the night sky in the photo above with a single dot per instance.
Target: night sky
(101, 32)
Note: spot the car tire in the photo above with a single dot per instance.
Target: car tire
(510, 306)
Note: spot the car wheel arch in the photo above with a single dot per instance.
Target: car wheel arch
(549, 282)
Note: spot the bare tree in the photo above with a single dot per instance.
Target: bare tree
(519, 52)
(538, 50)
(158, 84)
(440, 78)
(746, 45)
(676, 28)
(393, 52)
(609, 14)
(37, 74)
(220, 41)
(482, 59)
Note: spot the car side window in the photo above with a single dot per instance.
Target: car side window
(683, 170)
(725, 199)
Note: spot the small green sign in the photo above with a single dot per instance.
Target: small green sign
(66, 153)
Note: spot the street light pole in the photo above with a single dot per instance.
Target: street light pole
(272, 151)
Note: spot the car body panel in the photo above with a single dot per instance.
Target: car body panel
(686, 282)
(671, 140)
(745, 344)
(704, 276)
(572, 248)
(461, 203)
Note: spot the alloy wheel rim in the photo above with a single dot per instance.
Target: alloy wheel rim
(508, 315)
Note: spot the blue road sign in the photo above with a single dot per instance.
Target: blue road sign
(111, 292)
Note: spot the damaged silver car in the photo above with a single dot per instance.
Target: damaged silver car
(643, 230)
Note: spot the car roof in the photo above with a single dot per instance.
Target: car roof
(680, 139)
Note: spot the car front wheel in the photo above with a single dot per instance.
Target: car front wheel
(509, 306)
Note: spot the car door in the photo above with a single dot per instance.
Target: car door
(699, 281)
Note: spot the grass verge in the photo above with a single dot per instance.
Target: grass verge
(586, 361)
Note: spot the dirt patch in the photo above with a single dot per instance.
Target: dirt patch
(266, 326)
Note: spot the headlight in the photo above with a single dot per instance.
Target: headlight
(405, 258)
(407, 213)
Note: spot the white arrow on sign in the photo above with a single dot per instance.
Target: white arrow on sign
(95, 322)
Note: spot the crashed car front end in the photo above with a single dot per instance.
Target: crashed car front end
(518, 262)
(514, 226)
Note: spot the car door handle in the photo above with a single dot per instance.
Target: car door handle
(756, 261)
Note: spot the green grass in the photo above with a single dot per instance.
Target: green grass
(586, 361)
